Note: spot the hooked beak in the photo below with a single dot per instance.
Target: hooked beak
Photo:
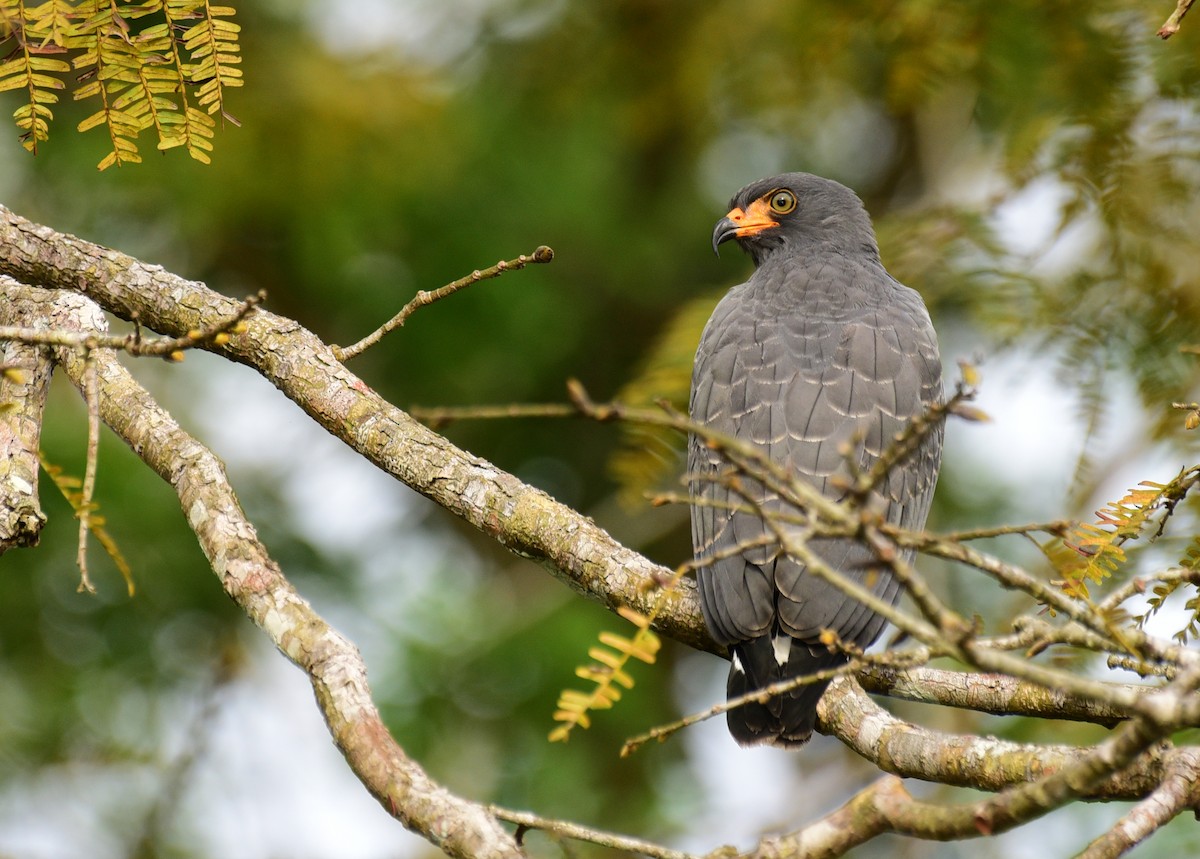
(725, 230)
(741, 223)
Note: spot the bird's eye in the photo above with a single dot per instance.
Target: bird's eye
(782, 202)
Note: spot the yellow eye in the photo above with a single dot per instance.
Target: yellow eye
(782, 202)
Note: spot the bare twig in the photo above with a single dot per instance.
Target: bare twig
(1008, 576)
(567, 829)
(1171, 26)
(1139, 585)
(1056, 527)
(171, 348)
(542, 254)
(909, 440)
(441, 416)
(84, 512)
(758, 696)
(1140, 667)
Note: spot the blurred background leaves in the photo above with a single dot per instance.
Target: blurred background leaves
(1031, 167)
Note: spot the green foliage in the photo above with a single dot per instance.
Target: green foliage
(170, 76)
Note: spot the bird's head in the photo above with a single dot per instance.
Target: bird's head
(798, 211)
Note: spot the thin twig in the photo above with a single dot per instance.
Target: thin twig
(92, 397)
(438, 417)
(951, 624)
(542, 254)
(1171, 26)
(908, 440)
(1007, 575)
(1140, 584)
(1141, 667)
(134, 344)
(567, 829)
(758, 696)
(1056, 527)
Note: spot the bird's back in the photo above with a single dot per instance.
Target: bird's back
(815, 355)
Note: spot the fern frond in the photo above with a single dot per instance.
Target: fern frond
(111, 61)
(70, 487)
(169, 77)
(607, 672)
(39, 31)
(1097, 548)
(212, 44)
(1158, 594)
(1092, 552)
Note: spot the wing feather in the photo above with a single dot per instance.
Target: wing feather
(801, 388)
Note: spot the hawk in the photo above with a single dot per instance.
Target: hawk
(820, 352)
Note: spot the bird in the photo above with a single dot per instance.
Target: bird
(820, 359)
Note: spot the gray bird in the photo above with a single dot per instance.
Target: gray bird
(821, 348)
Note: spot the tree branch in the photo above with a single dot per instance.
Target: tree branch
(1178, 791)
(24, 383)
(998, 694)
(962, 760)
(255, 582)
(1041, 785)
(1031, 779)
(522, 518)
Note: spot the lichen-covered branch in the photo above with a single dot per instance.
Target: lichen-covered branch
(24, 381)
(1039, 780)
(255, 582)
(999, 694)
(962, 760)
(1178, 791)
(522, 518)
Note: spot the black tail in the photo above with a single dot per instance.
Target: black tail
(785, 720)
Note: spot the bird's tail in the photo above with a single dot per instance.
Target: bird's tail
(784, 720)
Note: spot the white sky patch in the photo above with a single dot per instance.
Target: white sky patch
(266, 767)
(269, 783)
(1028, 222)
(1033, 437)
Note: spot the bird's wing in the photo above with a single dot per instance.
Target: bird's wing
(887, 372)
(802, 387)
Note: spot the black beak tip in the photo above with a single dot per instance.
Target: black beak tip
(723, 232)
